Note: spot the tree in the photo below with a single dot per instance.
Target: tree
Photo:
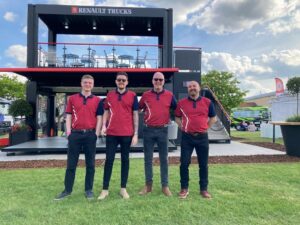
(20, 107)
(225, 87)
(293, 86)
(11, 88)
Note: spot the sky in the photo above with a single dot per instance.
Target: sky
(253, 39)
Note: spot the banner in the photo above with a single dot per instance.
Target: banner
(279, 86)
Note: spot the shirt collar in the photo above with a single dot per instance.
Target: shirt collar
(158, 93)
(198, 99)
(121, 93)
(90, 96)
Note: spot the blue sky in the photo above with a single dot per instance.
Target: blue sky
(255, 40)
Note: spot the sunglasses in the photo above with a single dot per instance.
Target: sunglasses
(158, 79)
(121, 80)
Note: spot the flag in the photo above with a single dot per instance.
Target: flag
(279, 86)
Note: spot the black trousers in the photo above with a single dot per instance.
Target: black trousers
(188, 143)
(112, 143)
(86, 142)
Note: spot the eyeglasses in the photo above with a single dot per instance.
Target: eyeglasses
(158, 79)
(121, 80)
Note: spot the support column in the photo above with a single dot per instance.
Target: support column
(51, 114)
(32, 98)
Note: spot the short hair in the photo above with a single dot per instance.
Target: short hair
(122, 74)
(87, 76)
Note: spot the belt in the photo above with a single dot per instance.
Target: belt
(195, 134)
(160, 126)
(82, 130)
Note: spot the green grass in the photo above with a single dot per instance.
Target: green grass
(242, 194)
(253, 137)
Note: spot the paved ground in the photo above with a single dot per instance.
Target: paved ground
(232, 149)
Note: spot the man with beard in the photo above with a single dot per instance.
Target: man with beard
(194, 115)
(120, 126)
(156, 103)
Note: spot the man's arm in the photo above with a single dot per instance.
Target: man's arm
(68, 124)
(178, 121)
(104, 121)
(211, 121)
(136, 127)
(98, 126)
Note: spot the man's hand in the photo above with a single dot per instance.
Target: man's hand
(103, 131)
(134, 140)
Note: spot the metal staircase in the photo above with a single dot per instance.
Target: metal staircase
(220, 131)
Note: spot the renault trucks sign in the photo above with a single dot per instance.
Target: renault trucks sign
(99, 10)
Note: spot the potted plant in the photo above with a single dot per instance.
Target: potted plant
(20, 131)
(291, 127)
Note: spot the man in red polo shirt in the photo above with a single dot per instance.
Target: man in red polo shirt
(194, 115)
(83, 124)
(120, 126)
(156, 103)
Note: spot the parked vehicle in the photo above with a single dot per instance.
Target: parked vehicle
(255, 114)
(6, 120)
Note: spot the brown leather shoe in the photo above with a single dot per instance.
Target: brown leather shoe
(183, 193)
(166, 191)
(205, 194)
(146, 189)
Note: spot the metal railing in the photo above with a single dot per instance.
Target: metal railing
(98, 55)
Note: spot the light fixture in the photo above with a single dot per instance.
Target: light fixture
(149, 26)
(122, 26)
(66, 25)
(94, 26)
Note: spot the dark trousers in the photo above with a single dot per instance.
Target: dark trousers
(188, 143)
(112, 143)
(77, 142)
(159, 136)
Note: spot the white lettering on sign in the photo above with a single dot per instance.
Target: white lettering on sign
(94, 10)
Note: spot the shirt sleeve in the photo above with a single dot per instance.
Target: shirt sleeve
(105, 104)
(173, 103)
(178, 112)
(135, 105)
(100, 109)
(142, 102)
(69, 106)
(211, 110)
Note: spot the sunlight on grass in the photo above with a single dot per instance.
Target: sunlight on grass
(242, 194)
(253, 137)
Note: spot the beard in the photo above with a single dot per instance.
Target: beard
(192, 93)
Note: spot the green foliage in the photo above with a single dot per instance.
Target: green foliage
(295, 118)
(293, 85)
(21, 108)
(225, 87)
(11, 88)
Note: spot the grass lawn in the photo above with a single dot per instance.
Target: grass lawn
(253, 137)
(242, 194)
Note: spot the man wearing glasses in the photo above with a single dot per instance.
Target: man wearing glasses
(156, 103)
(120, 126)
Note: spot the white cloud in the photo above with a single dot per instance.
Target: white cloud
(10, 16)
(239, 65)
(72, 2)
(18, 52)
(24, 30)
(19, 78)
(231, 16)
(290, 57)
(286, 25)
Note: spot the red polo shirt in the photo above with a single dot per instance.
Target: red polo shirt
(157, 107)
(84, 111)
(195, 114)
(121, 107)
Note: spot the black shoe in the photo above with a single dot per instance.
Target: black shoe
(89, 195)
(62, 195)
